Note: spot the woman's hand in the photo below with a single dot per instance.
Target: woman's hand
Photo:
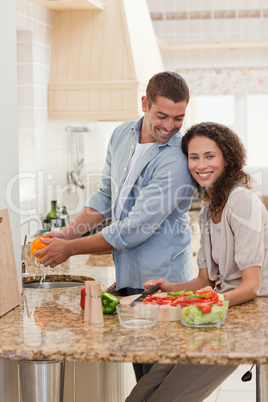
(164, 285)
(202, 282)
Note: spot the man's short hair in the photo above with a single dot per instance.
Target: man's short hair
(169, 85)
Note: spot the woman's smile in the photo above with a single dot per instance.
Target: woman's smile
(204, 175)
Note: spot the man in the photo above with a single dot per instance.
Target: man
(147, 189)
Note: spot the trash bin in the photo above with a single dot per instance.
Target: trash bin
(41, 381)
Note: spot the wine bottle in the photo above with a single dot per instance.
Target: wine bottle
(54, 216)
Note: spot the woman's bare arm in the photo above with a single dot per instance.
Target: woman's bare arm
(195, 284)
(248, 289)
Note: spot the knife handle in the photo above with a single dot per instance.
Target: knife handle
(153, 290)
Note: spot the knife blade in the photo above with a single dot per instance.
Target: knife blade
(151, 291)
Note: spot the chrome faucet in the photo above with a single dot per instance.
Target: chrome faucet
(23, 262)
(36, 219)
(40, 231)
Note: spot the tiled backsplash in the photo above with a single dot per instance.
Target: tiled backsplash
(209, 21)
(201, 5)
(236, 81)
(209, 14)
(34, 27)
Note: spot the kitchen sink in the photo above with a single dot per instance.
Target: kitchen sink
(51, 285)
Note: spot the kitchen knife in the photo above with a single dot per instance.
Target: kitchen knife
(151, 291)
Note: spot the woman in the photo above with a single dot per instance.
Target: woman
(233, 257)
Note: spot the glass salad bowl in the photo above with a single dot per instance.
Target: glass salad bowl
(204, 314)
(139, 316)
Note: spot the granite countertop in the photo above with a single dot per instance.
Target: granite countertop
(49, 325)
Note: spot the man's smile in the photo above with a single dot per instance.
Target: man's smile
(164, 132)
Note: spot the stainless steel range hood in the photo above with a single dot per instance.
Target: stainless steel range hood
(101, 62)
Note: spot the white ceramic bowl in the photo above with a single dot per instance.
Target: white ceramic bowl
(139, 316)
(194, 315)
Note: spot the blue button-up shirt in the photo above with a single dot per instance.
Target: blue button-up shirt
(152, 237)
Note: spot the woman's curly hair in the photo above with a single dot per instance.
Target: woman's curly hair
(234, 155)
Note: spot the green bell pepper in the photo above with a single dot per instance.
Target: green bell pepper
(109, 302)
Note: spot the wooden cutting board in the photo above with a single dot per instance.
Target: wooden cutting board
(166, 313)
(9, 286)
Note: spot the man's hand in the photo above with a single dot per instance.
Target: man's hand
(56, 252)
(164, 285)
(56, 233)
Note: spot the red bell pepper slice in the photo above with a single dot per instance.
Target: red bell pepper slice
(82, 297)
(199, 299)
(207, 295)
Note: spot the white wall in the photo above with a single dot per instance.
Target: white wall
(9, 165)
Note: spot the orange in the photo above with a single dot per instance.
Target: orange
(38, 245)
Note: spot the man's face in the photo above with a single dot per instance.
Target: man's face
(162, 120)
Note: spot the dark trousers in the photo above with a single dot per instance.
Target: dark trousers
(140, 369)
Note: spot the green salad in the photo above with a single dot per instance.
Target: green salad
(193, 315)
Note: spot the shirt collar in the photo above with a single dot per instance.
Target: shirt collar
(136, 128)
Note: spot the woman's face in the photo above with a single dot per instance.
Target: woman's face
(205, 161)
